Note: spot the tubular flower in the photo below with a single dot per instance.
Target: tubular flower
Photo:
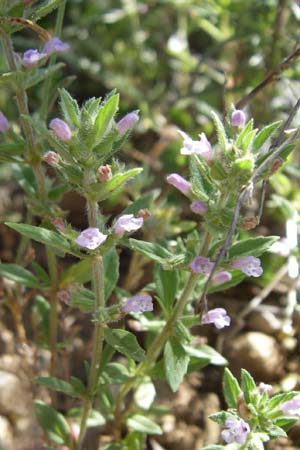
(237, 431)
(238, 118)
(201, 147)
(292, 407)
(55, 45)
(200, 264)
(250, 265)
(32, 57)
(138, 303)
(127, 223)
(218, 317)
(127, 122)
(91, 238)
(179, 183)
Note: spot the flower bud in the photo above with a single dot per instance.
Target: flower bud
(63, 296)
(198, 207)
(249, 223)
(242, 407)
(144, 213)
(4, 124)
(51, 158)
(104, 173)
(221, 277)
(275, 166)
(55, 45)
(32, 57)
(61, 129)
(238, 118)
(127, 122)
(59, 224)
(179, 183)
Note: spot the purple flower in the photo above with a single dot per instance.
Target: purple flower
(292, 407)
(238, 118)
(238, 431)
(32, 57)
(91, 238)
(250, 265)
(4, 123)
(138, 303)
(200, 264)
(127, 223)
(198, 207)
(218, 317)
(51, 158)
(61, 129)
(179, 183)
(127, 122)
(262, 387)
(201, 147)
(55, 45)
(221, 277)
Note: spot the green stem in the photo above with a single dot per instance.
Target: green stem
(98, 283)
(51, 259)
(156, 347)
(52, 61)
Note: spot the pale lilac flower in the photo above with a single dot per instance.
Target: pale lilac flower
(250, 265)
(238, 118)
(238, 431)
(61, 129)
(263, 387)
(138, 303)
(218, 317)
(4, 123)
(221, 277)
(292, 407)
(91, 238)
(200, 264)
(104, 173)
(127, 223)
(280, 247)
(201, 147)
(198, 207)
(127, 122)
(55, 45)
(32, 57)
(179, 183)
(51, 158)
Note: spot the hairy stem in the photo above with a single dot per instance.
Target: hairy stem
(98, 283)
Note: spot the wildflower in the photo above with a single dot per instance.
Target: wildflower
(200, 264)
(292, 407)
(198, 207)
(221, 277)
(238, 431)
(91, 238)
(262, 387)
(218, 317)
(238, 118)
(179, 183)
(32, 57)
(104, 173)
(127, 223)
(55, 45)
(61, 129)
(51, 158)
(138, 303)
(201, 147)
(127, 122)
(250, 265)
(4, 124)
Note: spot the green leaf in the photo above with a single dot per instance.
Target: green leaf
(53, 423)
(237, 277)
(264, 134)
(36, 76)
(11, 152)
(111, 271)
(115, 373)
(243, 135)
(214, 447)
(221, 417)
(95, 418)
(143, 202)
(176, 362)
(69, 107)
(50, 238)
(222, 138)
(56, 384)
(101, 191)
(166, 285)
(19, 275)
(206, 352)
(231, 389)
(248, 386)
(252, 246)
(43, 310)
(275, 431)
(77, 273)
(153, 251)
(124, 342)
(285, 422)
(104, 119)
(277, 400)
(82, 298)
(45, 8)
(143, 424)
(203, 185)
